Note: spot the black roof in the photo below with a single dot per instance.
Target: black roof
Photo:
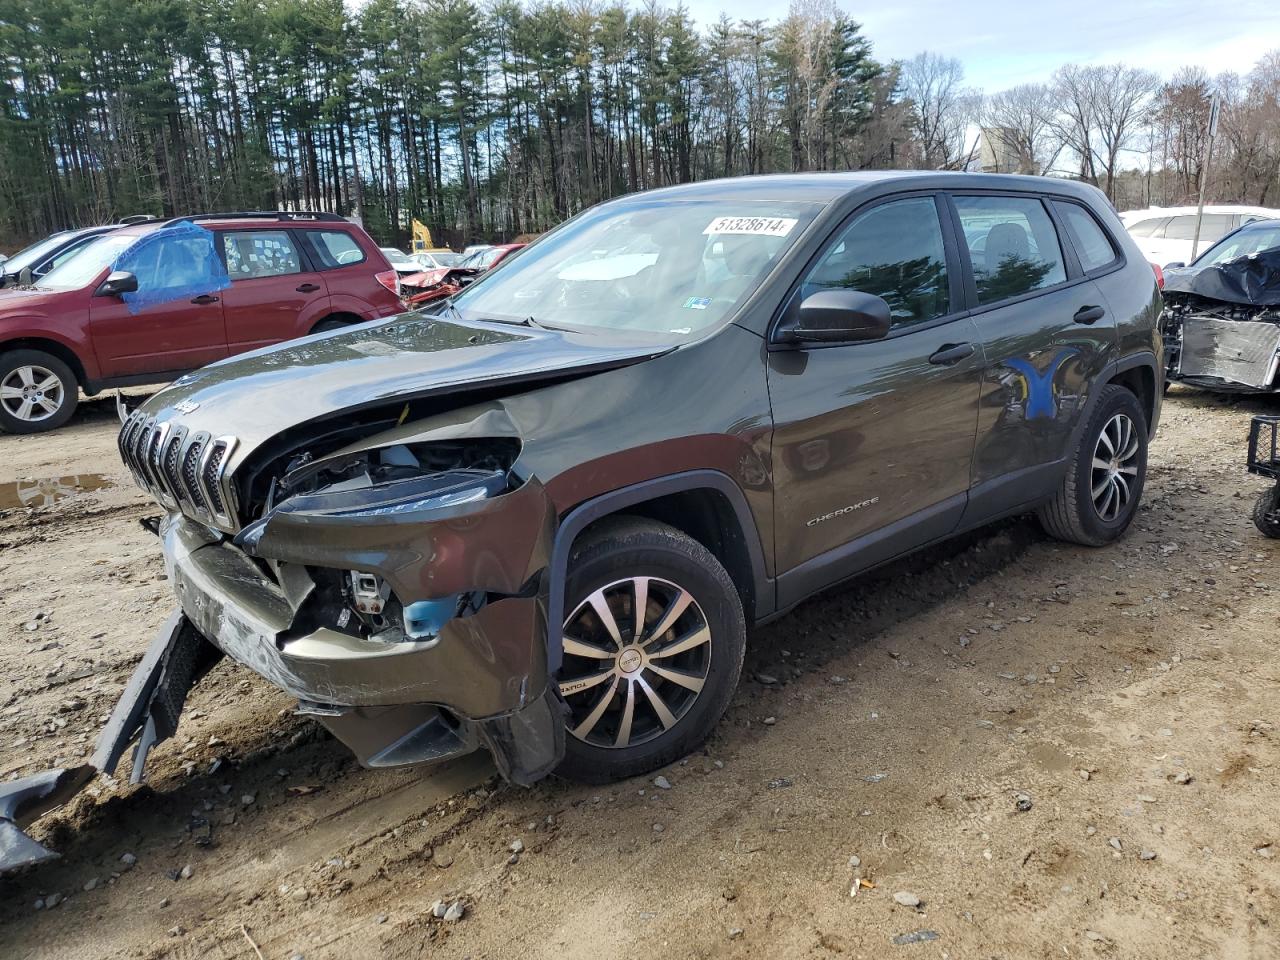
(828, 186)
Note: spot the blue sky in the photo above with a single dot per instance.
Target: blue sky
(1002, 44)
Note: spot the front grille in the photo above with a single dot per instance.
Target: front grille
(184, 471)
(191, 473)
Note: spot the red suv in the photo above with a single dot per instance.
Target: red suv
(126, 311)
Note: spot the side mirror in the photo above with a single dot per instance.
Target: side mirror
(24, 277)
(1175, 265)
(118, 282)
(837, 316)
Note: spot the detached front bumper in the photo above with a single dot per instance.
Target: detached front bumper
(481, 681)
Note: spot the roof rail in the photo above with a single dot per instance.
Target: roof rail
(135, 218)
(261, 215)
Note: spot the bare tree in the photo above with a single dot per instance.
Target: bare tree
(943, 109)
(1181, 120)
(1250, 132)
(1019, 122)
(1101, 111)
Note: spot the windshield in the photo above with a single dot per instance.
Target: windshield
(657, 266)
(86, 264)
(29, 256)
(1243, 243)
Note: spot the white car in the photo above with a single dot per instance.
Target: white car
(410, 263)
(1165, 234)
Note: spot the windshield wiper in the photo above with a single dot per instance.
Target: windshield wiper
(532, 321)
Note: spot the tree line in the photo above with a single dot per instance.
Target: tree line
(493, 121)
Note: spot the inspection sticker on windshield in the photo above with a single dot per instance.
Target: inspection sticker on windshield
(697, 303)
(751, 226)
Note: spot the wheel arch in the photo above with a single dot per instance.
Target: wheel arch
(1140, 379)
(704, 504)
(53, 347)
(345, 317)
(1140, 375)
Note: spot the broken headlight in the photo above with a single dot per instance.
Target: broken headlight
(397, 496)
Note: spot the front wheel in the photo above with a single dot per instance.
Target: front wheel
(653, 648)
(1100, 493)
(1266, 512)
(37, 392)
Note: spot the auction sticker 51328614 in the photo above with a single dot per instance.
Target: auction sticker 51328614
(752, 226)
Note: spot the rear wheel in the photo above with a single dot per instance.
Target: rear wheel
(1266, 512)
(1100, 493)
(653, 647)
(37, 392)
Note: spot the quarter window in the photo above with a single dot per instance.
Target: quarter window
(1012, 245)
(260, 253)
(1092, 244)
(1215, 227)
(894, 251)
(335, 248)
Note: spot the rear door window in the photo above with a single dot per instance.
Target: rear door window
(334, 248)
(1013, 246)
(252, 254)
(894, 251)
(1215, 227)
(1092, 244)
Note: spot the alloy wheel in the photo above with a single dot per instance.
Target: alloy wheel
(31, 393)
(636, 657)
(1115, 467)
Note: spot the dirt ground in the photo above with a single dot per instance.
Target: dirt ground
(1060, 752)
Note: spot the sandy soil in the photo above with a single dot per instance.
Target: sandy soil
(1058, 751)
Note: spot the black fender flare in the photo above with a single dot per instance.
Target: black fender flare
(1132, 361)
(618, 501)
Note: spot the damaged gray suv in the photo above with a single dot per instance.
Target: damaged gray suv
(541, 519)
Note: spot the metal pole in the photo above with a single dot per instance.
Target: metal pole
(1204, 170)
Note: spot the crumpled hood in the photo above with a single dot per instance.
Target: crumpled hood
(1253, 280)
(255, 396)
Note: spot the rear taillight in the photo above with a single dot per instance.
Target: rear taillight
(389, 279)
(1159, 275)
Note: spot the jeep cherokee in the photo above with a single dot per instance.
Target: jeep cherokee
(543, 518)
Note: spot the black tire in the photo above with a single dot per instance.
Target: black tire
(40, 367)
(616, 554)
(1072, 515)
(1266, 512)
(328, 324)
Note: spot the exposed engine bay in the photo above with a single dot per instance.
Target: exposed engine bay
(403, 479)
(1221, 324)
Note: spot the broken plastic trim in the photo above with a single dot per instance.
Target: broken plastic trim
(147, 711)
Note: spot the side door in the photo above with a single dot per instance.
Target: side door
(177, 329)
(351, 266)
(873, 441)
(1047, 332)
(275, 294)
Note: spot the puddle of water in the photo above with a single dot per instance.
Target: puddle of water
(48, 491)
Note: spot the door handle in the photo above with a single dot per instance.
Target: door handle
(1087, 315)
(205, 298)
(308, 288)
(950, 353)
